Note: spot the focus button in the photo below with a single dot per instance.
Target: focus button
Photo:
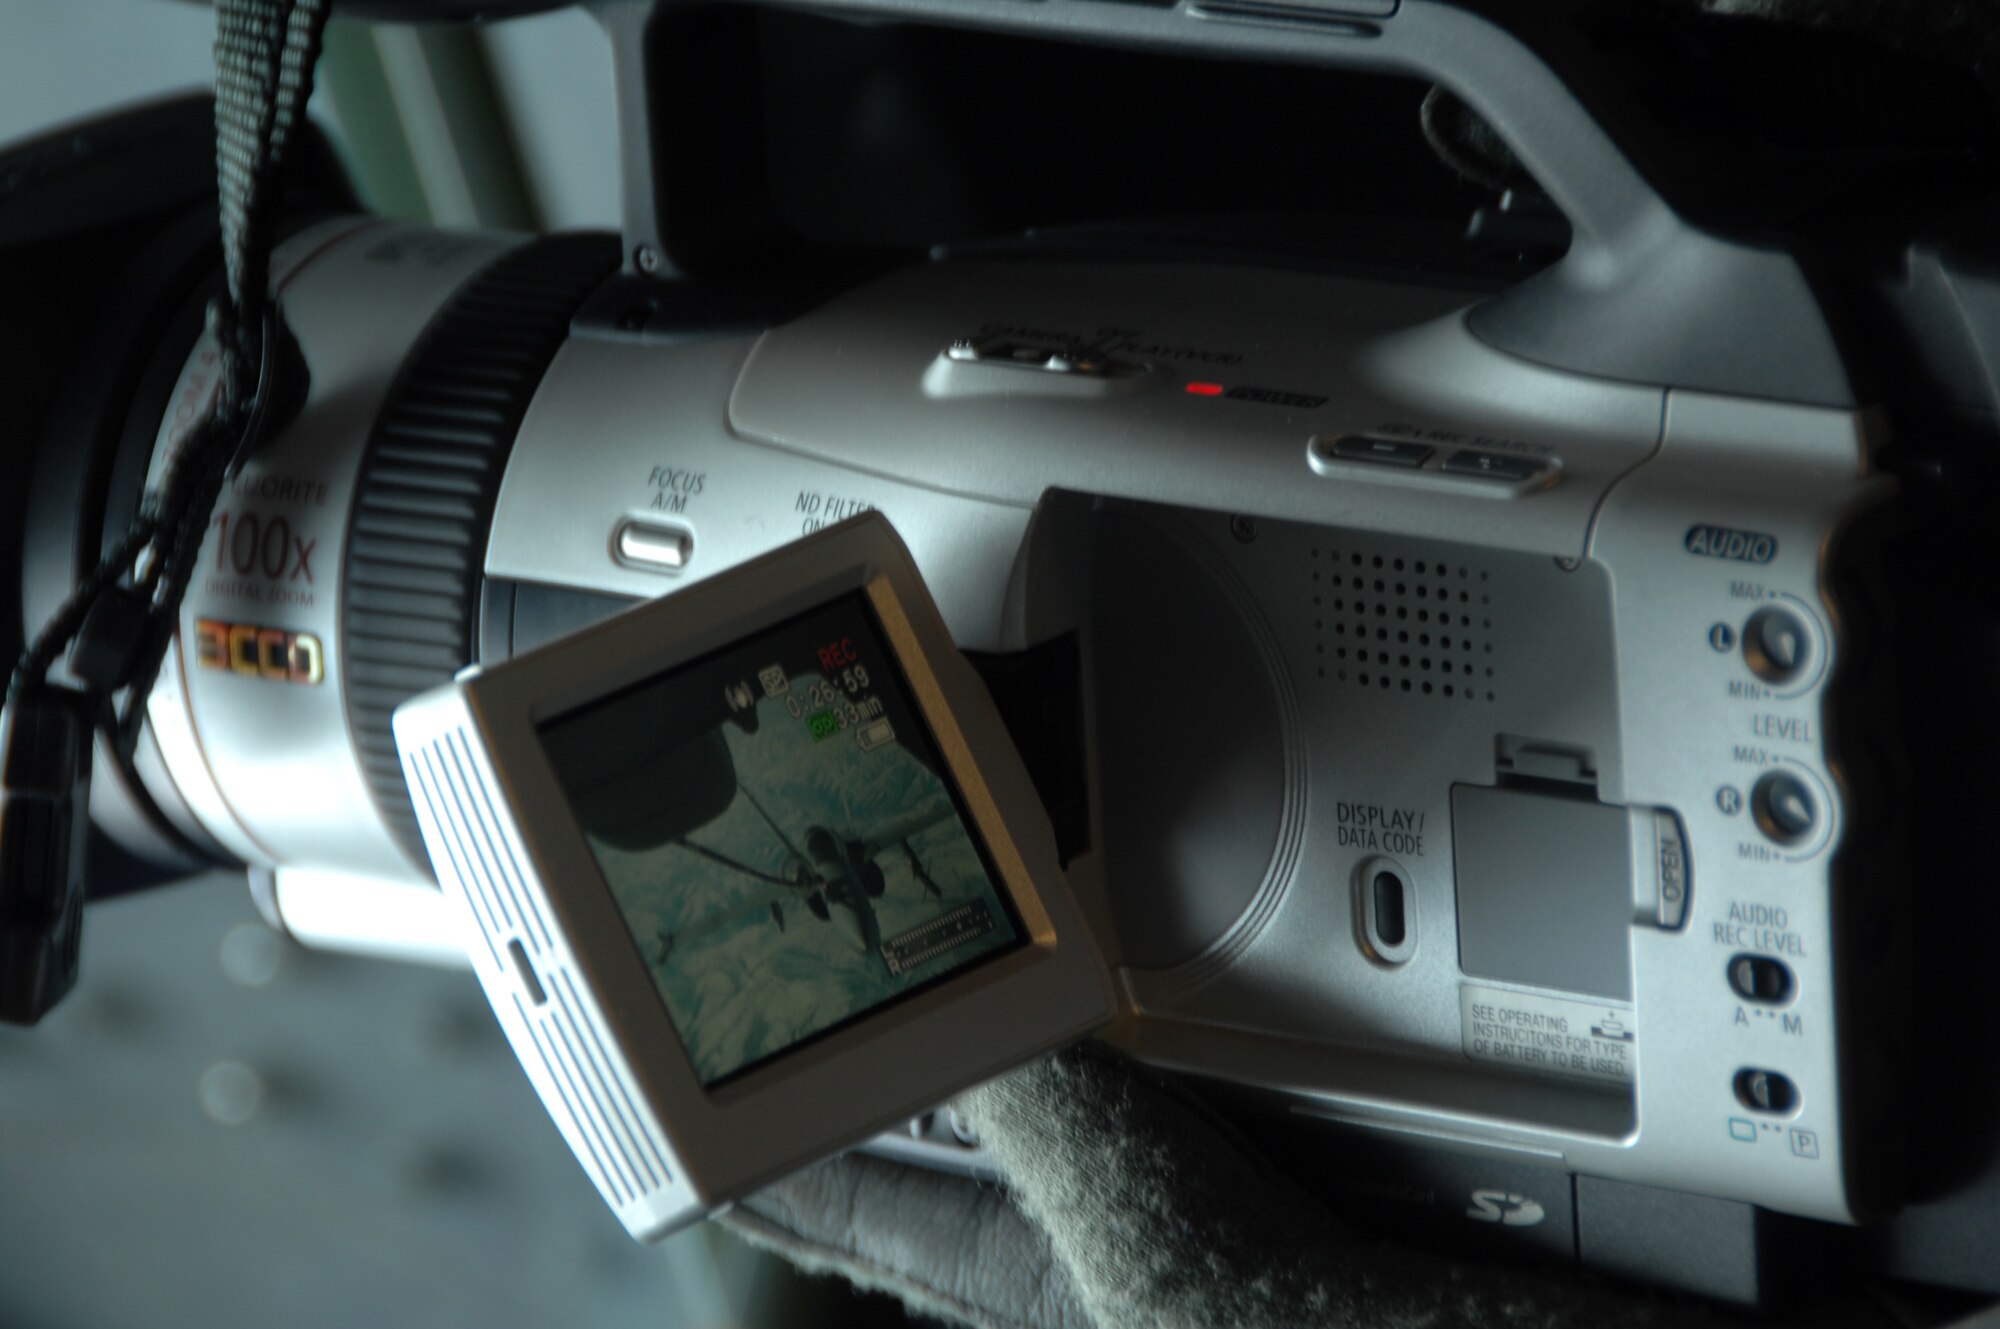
(655, 546)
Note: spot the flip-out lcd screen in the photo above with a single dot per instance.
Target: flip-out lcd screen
(781, 837)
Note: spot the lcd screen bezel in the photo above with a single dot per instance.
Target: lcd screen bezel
(669, 680)
(896, 1059)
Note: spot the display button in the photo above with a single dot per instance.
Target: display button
(1776, 645)
(1389, 925)
(1493, 465)
(1385, 909)
(1761, 979)
(1380, 451)
(1766, 1091)
(654, 545)
(1784, 808)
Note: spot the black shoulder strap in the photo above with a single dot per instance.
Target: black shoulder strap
(120, 621)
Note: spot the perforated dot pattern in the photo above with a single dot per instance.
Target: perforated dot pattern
(1392, 623)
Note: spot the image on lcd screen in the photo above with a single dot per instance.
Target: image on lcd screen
(781, 838)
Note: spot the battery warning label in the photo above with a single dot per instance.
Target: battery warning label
(1578, 1040)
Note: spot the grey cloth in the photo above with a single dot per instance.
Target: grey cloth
(1131, 1206)
(1163, 1218)
(945, 1245)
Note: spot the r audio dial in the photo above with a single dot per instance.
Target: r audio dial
(1785, 808)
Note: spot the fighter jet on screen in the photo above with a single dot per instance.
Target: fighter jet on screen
(836, 877)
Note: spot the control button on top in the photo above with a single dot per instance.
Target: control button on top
(1776, 645)
(1071, 360)
(1784, 808)
(1381, 451)
(1761, 979)
(654, 545)
(1766, 1091)
(1493, 465)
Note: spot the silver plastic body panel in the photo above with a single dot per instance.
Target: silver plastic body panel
(1696, 724)
(1001, 482)
(657, 447)
(1599, 621)
(750, 442)
(268, 765)
(380, 916)
(1617, 657)
(841, 385)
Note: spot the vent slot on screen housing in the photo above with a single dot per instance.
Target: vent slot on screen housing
(617, 1142)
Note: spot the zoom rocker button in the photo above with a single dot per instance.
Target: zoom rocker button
(1380, 451)
(1784, 808)
(1776, 645)
(1492, 465)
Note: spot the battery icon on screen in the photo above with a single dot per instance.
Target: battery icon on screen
(874, 734)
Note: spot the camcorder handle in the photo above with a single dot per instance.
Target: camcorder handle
(1644, 294)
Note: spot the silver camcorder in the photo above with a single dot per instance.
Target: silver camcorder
(1462, 703)
(1456, 729)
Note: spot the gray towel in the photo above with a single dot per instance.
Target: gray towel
(1129, 1206)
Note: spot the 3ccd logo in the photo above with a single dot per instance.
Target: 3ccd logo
(1505, 1208)
(254, 652)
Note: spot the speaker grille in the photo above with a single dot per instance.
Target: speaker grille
(1394, 623)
